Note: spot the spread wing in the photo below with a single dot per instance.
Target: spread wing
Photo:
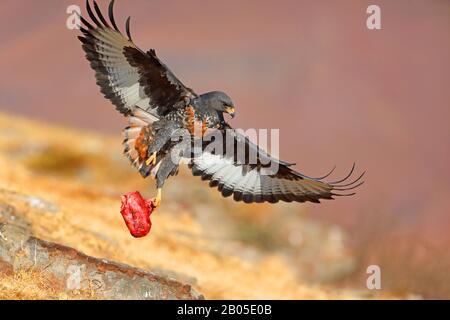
(127, 76)
(265, 180)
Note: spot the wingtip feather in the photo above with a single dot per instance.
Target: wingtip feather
(111, 15)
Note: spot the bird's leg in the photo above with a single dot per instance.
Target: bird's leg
(151, 160)
(157, 199)
(163, 130)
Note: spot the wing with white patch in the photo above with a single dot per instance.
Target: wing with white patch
(127, 76)
(265, 180)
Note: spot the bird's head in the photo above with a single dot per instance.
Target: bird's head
(219, 101)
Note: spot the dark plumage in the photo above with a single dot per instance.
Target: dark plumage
(158, 105)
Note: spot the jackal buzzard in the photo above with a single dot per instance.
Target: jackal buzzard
(157, 104)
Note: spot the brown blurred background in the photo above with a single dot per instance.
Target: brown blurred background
(339, 93)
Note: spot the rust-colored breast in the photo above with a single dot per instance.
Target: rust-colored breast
(195, 127)
(190, 121)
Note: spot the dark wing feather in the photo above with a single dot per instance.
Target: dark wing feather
(127, 76)
(255, 182)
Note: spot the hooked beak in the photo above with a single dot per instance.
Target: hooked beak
(230, 111)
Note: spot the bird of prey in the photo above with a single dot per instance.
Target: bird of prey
(157, 104)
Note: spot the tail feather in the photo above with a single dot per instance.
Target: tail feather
(137, 137)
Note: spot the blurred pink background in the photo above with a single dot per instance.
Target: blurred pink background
(339, 93)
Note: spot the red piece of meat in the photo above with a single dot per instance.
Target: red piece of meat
(136, 213)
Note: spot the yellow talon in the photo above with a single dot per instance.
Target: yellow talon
(157, 200)
(151, 160)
